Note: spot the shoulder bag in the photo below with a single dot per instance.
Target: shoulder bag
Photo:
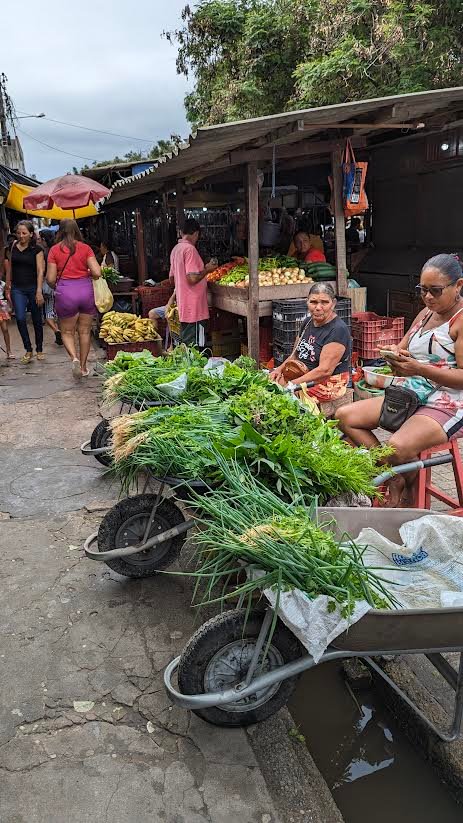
(399, 404)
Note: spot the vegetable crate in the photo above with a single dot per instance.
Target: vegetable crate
(371, 332)
(153, 346)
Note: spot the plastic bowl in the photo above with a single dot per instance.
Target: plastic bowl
(377, 380)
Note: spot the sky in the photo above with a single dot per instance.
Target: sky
(98, 64)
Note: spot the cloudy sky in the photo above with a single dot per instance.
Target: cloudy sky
(97, 63)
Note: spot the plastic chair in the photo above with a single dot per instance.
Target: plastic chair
(425, 490)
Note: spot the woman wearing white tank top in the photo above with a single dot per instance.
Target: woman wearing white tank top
(430, 361)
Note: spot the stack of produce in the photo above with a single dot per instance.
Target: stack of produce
(226, 268)
(273, 271)
(172, 440)
(290, 449)
(122, 327)
(245, 522)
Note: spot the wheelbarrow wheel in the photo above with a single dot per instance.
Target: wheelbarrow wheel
(217, 657)
(99, 440)
(125, 525)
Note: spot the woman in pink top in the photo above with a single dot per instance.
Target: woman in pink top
(71, 266)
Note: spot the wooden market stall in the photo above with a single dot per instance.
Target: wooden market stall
(233, 156)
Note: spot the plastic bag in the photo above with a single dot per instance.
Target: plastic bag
(175, 388)
(354, 174)
(103, 296)
(215, 366)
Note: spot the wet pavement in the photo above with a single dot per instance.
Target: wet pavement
(86, 730)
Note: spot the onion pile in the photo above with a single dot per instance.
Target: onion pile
(281, 277)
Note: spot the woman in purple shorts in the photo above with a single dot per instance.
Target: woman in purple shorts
(72, 267)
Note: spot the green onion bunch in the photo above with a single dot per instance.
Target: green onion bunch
(243, 522)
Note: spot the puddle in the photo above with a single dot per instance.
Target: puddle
(368, 764)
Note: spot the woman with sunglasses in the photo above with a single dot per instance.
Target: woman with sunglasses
(428, 360)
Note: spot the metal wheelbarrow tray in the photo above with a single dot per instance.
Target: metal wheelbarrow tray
(256, 690)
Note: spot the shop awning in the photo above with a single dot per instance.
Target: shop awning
(308, 132)
(18, 192)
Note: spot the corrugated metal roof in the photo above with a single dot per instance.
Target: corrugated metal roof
(8, 176)
(214, 144)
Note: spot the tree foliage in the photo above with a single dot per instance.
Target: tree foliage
(257, 57)
(161, 148)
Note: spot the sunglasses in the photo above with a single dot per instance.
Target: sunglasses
(434, 291)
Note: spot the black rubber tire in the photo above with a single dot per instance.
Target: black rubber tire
(226, 628)
(137, 508)
(100, 438)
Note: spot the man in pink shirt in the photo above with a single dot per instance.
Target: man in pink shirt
(189, 273)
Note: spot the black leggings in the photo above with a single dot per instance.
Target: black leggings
(24, 299)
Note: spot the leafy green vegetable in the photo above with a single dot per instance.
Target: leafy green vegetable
(245, 522)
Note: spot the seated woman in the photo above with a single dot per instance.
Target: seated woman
(430, 356)
(321, 354)
(306, 249)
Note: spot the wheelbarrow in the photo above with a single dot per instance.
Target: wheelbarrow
(224, 676)
(99, 443)
(143, 535)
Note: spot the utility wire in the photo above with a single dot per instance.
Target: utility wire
(54, 148)
(97, 131)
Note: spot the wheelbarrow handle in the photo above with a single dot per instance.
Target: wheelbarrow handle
(438, 460)
(87, 449)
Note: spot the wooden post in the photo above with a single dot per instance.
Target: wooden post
(252, 206)
(141, 252)
(180, 205)
(339, 222)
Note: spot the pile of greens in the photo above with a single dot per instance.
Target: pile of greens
(245, 522)
(175, 441)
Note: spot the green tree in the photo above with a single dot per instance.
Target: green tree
(257, 57)
(161, 148)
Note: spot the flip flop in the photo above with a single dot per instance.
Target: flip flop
(76, 370)
(11, 357)
(86, 373)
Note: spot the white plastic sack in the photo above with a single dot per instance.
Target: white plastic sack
(310, 620)
(426, 571)
(175, 388)
(215, 366)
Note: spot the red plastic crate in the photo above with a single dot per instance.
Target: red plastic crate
(371, 332)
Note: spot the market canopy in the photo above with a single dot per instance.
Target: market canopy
(18, 192)
(303, 133)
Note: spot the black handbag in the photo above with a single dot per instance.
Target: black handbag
(399, 404)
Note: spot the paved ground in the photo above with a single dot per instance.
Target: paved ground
(86, 730)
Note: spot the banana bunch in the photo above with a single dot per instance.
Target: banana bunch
(121, 327)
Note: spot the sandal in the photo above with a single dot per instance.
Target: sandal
(40, 355)
(76, 370)
(11, 356)
(86, 373)
(26, 358)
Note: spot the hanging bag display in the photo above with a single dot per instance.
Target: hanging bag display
(353, 188)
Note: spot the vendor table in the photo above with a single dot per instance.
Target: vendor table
(235, 300)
